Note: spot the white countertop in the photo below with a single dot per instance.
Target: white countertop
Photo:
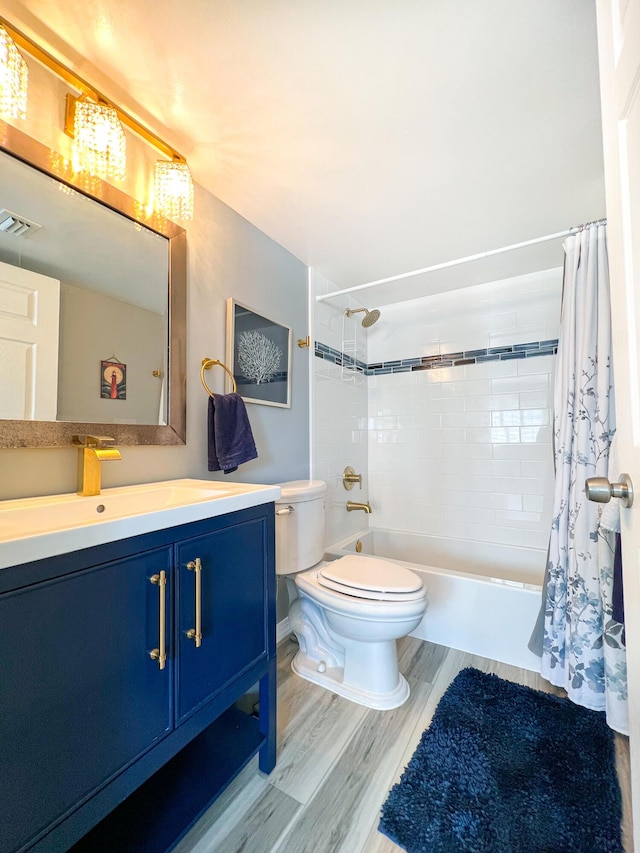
(36, 528)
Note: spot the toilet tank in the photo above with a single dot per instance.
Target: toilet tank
(299, 525)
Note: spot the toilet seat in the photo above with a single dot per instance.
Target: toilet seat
(371, 578)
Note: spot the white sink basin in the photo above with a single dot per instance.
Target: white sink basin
(33, 528)
(60, 512)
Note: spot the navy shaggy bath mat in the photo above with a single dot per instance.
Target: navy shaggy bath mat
(507, 769)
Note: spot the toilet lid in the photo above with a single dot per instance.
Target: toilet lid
(370, 577)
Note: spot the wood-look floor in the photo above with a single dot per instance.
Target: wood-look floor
(337, 761)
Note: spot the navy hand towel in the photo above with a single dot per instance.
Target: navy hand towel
(229, 437)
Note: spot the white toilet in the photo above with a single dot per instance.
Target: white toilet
(347, 614)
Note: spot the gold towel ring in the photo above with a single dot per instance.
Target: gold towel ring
(207, 364)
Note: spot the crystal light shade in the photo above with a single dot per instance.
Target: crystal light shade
(173, 189)
(100, 144)
(14, 76)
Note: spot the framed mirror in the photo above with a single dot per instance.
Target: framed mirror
(88, 281)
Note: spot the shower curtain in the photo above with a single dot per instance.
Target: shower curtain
(583, 646)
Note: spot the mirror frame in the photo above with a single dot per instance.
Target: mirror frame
(14, 433)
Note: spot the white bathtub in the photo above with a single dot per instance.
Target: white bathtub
(483, 598)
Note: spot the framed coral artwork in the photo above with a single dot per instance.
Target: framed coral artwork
(259, 354)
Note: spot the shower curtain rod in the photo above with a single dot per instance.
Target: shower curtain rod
(458, 261)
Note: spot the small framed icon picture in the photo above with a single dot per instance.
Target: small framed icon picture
(113, 380)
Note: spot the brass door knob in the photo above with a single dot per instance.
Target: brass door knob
(600, 490)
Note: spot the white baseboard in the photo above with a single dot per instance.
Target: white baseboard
(283, 629)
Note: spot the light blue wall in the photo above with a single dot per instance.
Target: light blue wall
(227, 256)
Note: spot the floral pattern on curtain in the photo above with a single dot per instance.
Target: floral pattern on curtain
(613, 648)
(577, 620)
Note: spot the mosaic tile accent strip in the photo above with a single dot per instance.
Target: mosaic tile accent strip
(433, 362)
(340, 358)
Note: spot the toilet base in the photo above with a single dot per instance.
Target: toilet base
(332, 679)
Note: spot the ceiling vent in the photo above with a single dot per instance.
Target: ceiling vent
(18, 226)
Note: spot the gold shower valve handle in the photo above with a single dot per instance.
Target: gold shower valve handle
(350, 478)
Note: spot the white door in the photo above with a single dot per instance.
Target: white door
(29, 329)
(619, 48)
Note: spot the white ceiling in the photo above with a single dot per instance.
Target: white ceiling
(368, 137)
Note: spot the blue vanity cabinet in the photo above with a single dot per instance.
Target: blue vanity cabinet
(222, 624)
(101, 748)
(80, 698)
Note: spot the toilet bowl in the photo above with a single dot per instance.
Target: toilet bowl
(347, 614)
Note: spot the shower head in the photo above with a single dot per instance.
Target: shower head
(370, 317)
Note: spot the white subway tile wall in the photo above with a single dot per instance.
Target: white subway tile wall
(463, 451)
(500, 313)
(340, 417)
(476, 462)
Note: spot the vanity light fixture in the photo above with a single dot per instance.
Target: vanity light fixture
(14, 76)
(97, 125)
(99, 143)
(173, 189)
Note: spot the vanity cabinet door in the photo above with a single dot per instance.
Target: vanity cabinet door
(231, 567)
(80, 696)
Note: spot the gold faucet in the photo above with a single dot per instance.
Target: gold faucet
(351, 505)
(92, 450)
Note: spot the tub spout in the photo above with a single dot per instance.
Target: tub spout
(351, 505)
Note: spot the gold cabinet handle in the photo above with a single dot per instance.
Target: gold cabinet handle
(195, 566)
(160, 653)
